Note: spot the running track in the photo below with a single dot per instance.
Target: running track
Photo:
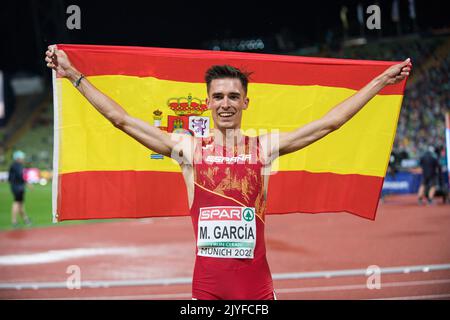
(323, 256)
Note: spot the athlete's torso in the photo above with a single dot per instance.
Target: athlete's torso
(227, 211)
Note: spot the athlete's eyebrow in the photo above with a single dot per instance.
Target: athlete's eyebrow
(220, 94)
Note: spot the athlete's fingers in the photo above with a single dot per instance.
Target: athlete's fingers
(402, 65)
(52, 48)
(54, 58)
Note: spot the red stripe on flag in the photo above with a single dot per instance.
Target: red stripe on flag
(301, 191)
(120, 194)
(138, 194)
(190, 66)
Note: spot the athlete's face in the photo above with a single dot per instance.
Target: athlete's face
(226, 100)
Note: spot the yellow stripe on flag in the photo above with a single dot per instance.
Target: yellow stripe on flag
(89, 142)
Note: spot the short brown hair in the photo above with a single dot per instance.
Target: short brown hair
(226, 71)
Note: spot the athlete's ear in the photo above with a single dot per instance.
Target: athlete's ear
(207, 103)
(246, 102)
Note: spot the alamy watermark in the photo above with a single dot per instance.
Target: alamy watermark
(374, 20)
(74, 20)
(74, 280)
(374, 277)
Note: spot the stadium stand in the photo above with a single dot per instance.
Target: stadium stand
(30, 129)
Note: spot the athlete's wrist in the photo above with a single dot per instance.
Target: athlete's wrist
(72, 74)
(380, 82)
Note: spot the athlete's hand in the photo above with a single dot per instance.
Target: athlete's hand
(397, 73)
(58, 61)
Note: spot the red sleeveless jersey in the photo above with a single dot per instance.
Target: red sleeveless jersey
(228, 219)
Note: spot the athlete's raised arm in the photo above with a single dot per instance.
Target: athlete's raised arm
(148, 135)
(295, 140)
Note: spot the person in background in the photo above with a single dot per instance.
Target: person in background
(17, 183)
(442, 188)
(430, 171)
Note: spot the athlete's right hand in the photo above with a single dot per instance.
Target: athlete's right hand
(58, 61)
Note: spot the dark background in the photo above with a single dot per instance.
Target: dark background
(28, 26)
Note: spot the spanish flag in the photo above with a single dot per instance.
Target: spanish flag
(100, 172)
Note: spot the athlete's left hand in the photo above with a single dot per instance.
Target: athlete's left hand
(397, 73)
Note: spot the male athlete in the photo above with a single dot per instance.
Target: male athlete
(223, 172)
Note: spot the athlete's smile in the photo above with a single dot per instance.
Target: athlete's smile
(226, 114)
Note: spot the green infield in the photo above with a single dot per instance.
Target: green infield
(38, 205)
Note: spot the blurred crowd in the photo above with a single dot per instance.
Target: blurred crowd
(422, 119)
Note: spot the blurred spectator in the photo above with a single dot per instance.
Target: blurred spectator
(17, 183)
(430, 175)
(442, 189)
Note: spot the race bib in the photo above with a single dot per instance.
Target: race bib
(226, 232)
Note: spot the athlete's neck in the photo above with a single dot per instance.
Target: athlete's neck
(227, 137)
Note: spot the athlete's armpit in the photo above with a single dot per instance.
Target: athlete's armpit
(269, 147)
